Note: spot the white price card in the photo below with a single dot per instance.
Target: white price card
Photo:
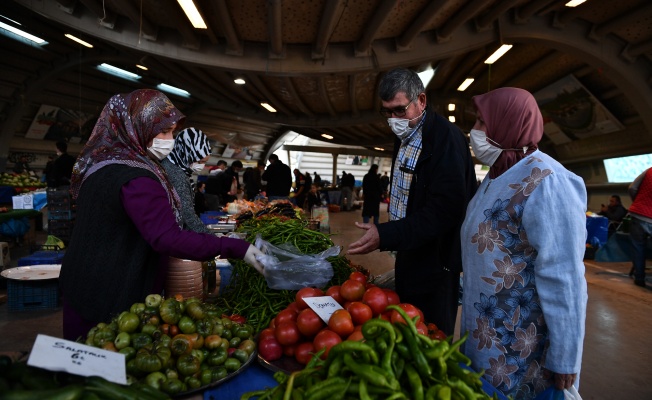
(56, 354)
(324, 306)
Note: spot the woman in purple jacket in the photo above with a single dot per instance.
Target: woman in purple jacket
(128, 219)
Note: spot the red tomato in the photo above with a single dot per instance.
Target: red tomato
(341, 323)
(270, 349)
(272, 324)
(376, 299)
(369, 285)
(409, 309)
(392, 296)
(439, 335)
(285, 315)
(358, 276)
(289, 351)
(357, 334)
(360, 312)
(334, 292)
(352, 290)
(326, 339)
(304, 352)
(307, 292)
(309, 323)
(422, 328)
(387, 316)
(287, 333)
(265, 333)
(294, 306)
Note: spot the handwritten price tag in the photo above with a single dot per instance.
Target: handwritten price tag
(324, 306)
(56, 354)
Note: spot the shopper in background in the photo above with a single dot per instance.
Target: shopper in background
(252, 180)
(228, 183)
(301, 187)
(640, 229)
(615, 212)
(432, 181)
(317, 179)
(525, 295)
(201, 206)
(279, 179)
(313, 199)
(62, 166)
(212, 185)
(346, 199)
(189, 155)
(22, 165)
(384, 184)
(371, 192)
(128, 220)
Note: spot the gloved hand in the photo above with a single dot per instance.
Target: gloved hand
(250, 258)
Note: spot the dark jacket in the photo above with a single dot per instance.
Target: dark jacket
(279, 179)
(61, 170)
(444, 181)
(371, 190)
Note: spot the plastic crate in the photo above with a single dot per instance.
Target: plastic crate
(61, 214)
(61, 228)
(59, 198)
(32, 295)
(41, 258)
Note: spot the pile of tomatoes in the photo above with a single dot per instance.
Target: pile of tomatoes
(297, 331)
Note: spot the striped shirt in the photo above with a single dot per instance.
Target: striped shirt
(406, 161)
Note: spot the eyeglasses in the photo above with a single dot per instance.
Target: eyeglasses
(399, 112)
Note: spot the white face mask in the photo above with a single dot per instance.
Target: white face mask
(160, 148)
(484, 151)
(401, 126)
(197, 167)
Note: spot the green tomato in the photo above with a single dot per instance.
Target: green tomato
(155, 379)
(171, 373)
(149, 329)
(234, 342)
(148, 362)
(187, 365)
(232, 364)
(173, 386)
(219, 373)
(195, 310)
(193, 383)
(129, 352)
(206, 377)
(248, 345)
(217, 357)
(187, 325)
(122, 340)
(103, 336)
(128, 322)
(240, 355)
(140, 340)
(198, 354)
(170, 311)
(137, 308)
(153, 300)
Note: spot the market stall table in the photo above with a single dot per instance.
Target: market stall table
(15, 224)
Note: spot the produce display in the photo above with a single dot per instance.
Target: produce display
(390, 360)
(19, 381)
(176, 345)
(22, 183)
(247, 293)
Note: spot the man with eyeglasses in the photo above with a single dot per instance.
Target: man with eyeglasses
(432, 181)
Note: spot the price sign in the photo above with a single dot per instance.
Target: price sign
(324, 306)
(56, 354)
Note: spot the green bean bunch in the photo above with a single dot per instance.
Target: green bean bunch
(393, 362)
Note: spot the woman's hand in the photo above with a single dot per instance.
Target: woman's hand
(564, 381)
(250, 258)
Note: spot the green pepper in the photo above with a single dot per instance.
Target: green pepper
(187, 325)
(415, 382)
(170, 311)
(187, 365)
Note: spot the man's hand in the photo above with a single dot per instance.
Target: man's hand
(368, 242)
(564, 381)
(250, 258)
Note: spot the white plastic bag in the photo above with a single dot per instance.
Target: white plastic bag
(286, 268)
(572, 394)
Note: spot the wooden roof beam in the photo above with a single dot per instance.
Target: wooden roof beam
(383, 12)
(332, 12)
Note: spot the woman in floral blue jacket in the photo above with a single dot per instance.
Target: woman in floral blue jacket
(524, 302)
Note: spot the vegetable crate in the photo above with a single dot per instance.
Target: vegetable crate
(32, 295)
(61, 228)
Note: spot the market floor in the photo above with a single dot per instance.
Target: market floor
(617, 347)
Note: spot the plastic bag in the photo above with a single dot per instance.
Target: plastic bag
(553, 394)
(286, 268)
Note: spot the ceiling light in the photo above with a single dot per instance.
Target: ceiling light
(239, 81)
(498, 53)
(451, 118)
(426, 76)
(574, 3)
(144, 68)
(268, 107)
(326, 136)
(17, 32)
(467, 82)
(451, 107)
(192, 13)
(174, 90)
(78, 40)
(379, 148)
(115, 71)
(10, 20)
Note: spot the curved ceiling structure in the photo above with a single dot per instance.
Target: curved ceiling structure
(318, 63)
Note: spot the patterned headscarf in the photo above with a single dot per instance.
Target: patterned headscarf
(190, 145)
(126, 125)
(513, 121)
